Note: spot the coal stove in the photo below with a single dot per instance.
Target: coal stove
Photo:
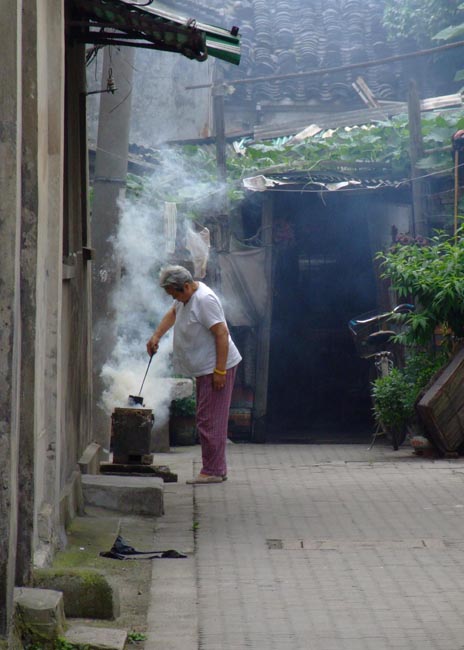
(131, 435)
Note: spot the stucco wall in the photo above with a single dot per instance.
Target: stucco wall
(45, 359)
(10, 214)
(162, 109)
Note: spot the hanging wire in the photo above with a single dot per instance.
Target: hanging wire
(91, 54)
(110, 85)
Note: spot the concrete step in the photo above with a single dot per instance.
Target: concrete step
(86, 592)
(137, 495)
(96, 638)
(38, 615)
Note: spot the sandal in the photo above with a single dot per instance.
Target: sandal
(205, 478)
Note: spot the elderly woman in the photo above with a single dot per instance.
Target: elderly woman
(203, 349)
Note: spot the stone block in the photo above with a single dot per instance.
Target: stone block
(96, 638)
(181, 388)
(38, 614)
(86, 592)
(89, 462)
(129, 494)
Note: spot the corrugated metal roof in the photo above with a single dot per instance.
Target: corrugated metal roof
(319, 181)
(353, 118)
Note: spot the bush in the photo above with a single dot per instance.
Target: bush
(185, 407)
(396, 394)
(392, 399)
(433, 275)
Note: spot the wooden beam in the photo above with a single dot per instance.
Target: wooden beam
(416, 152)
(219, 130)
(264, 330)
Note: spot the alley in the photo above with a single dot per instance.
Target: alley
(313, 547)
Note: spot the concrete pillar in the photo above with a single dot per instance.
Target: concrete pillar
(109, 188)
(264, 332)
(10, 319)
(29, 214)
(49, 209)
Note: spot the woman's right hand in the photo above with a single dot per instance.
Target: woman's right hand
(153, 345)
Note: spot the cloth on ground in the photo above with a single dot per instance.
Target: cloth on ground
(121, 550)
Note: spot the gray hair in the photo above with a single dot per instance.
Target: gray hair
(175, 276)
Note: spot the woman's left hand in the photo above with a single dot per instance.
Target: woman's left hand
(219, 381)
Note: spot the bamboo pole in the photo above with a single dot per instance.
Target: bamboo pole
(456, 191)
(416, 151)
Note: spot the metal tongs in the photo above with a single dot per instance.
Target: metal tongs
(137, 400)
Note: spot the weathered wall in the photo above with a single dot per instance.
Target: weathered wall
(45, 354)
(10, 214)
(162, 109)
(75, 336)
(50, 26)
(28, 266)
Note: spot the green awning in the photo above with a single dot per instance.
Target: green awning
(123, 22)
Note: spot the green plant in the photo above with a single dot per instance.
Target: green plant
(420, 367)
(395, 395)
(60, 643)
(419, 19)
(433, 275)
(392, 398)
(453, 32)
(63, 644)
(136, 637)
(385, 144)
(185, 406)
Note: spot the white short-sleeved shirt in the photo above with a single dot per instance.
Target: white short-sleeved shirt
(194, 344)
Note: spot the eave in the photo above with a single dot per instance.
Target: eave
(121, 22)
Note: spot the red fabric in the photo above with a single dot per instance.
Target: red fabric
(212, 419)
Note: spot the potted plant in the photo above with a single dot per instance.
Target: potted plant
(182, 429)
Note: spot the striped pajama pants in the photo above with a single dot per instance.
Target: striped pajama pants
(212, 420)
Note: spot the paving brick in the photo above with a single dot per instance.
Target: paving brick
(366, 554)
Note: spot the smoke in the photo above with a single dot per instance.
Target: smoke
(139, 305)
(144, 242)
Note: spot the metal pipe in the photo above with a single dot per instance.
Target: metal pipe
(146, 372)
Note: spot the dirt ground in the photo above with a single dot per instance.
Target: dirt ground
(95, 532)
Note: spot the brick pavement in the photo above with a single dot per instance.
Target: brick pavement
(315, 547)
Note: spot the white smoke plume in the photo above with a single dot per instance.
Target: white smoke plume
(142, 248)
(139, 305)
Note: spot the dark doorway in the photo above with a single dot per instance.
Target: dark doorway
(323, 276)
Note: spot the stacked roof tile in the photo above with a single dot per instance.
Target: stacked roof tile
(281, 37)
(287, 36)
